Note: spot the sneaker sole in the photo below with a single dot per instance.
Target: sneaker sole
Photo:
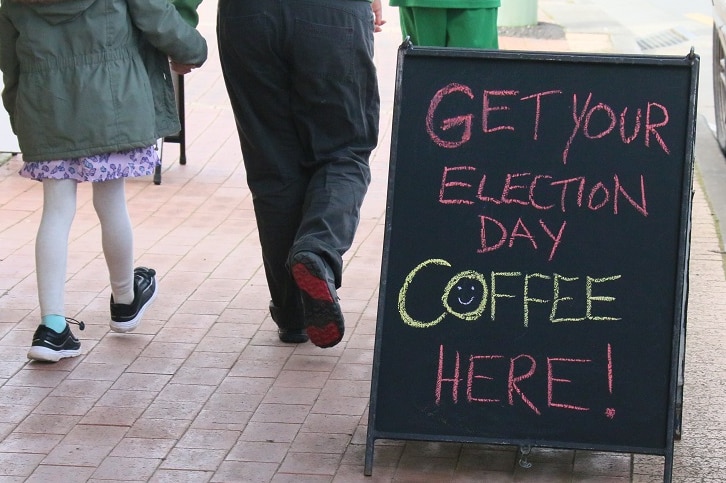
(288, 338)
(129, 325)
(323, 316)
(44, 354)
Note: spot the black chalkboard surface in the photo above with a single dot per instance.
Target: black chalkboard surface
(534, 271)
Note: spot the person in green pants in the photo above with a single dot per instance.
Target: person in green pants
(450, 23)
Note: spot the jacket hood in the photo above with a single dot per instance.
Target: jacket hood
(57, 11)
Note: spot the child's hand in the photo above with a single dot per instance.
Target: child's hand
(181, 69)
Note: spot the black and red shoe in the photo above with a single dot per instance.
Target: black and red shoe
(323, 316)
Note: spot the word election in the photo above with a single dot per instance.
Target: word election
(466, 185)
(629, 125)
(467, 295)
(496, 379)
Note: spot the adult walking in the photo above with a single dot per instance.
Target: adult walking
(303, 87)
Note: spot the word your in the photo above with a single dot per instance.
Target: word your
(478, 378)
(630, 126)
(468, 294)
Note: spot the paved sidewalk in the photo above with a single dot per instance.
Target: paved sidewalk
(203, 391)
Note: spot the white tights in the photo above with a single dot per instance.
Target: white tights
(51, 244)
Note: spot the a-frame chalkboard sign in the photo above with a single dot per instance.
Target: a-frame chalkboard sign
(534, 276)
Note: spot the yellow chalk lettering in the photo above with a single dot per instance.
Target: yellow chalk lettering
(527, 298)
(407, 319)
(495, 294)
(600, 298)
(556, 299)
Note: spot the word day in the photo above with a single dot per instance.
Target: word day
(468, 294)
(591, 120)
(497, 379)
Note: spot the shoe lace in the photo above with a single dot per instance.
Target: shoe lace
(79, 323)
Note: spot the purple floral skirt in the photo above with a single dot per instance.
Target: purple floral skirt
(100, 167)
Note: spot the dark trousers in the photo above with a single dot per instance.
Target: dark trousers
(302, 83)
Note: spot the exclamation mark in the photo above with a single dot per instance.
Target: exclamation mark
(610, 412)
(610, 369)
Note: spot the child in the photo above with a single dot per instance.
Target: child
(88, 89)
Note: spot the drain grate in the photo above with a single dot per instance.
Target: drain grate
(665, 38)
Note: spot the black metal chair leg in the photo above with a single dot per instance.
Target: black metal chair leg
(182, 139)
(179, 137)
(157, 170)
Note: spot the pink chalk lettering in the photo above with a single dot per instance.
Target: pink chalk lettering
(450, 123)
(650, 127)
(636, 128)
(605, 196)
(610, 368)
(556, 239)
(513, 381)
(472, 375)
(480, 192)
(487, 108)
(455, 380)
(532, 187)
(588, 118)
(641, 208)
(483, 235)
(565, 183)
(509, 188)
(551, 379)
(578, 118)
(445, 183)
(521, 230)
(538, 108)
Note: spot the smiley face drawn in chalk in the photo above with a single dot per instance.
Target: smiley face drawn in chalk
(466, 295)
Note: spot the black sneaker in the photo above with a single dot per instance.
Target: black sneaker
(323, 316)
(50, 346)
(292, 336)
(289, 335)
(126, 317)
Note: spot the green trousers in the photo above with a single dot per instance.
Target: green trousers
(450, 27)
